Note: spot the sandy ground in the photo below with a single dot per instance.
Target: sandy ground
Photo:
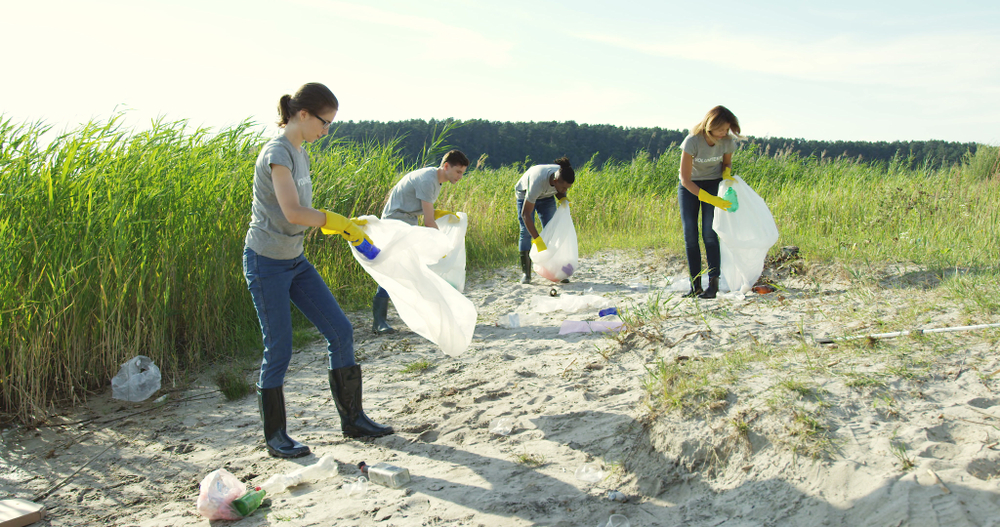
(827, 438)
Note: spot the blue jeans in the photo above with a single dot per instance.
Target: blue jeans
(274, 285)
(689, 205)
(545, 207)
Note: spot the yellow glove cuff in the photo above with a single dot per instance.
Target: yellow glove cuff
(539, 244)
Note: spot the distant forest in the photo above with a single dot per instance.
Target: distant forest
(492, 144)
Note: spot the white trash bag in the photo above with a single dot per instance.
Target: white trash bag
(430, 306)
(452, 266)
(218, 490)
(136, 381)
(745, 236)
(561, 257)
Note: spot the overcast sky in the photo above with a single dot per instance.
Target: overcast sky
(848, 70)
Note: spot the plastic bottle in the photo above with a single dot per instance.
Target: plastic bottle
(367, 249)
(730, 196)
(324, 468)
(608, 311)
(385, 474)
(247, 503)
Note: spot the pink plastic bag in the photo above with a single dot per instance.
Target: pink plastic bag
(218, 490)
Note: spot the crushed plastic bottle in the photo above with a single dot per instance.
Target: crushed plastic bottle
(357, 487)
(615, 495)
(326, 467)
(502, 426)
(608, 311)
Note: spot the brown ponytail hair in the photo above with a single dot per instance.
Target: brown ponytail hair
(312, 97)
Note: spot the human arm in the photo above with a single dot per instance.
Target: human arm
(288, 199)
(727, 164)
(428, 210)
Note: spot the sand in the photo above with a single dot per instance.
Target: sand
(905, 433)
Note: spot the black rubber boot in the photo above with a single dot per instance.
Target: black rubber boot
(380, 310)
(695, 288)
(713, 287)
(525, 267)
(272, 413)
(345, 385)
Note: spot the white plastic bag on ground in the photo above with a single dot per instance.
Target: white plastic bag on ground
(744, 236)
(218, 490)
(452, 266)
(561, 258)
(569, 303)
(590, 326)
(137, 379)
(430, 306)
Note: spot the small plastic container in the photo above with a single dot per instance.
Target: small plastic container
(367, 249)
(589, 472)
(617, 520)
(514, 320)
(356, 488)
(386, 475)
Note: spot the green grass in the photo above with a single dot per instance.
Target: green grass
(417, 366)
(114, 240)
(232, 382)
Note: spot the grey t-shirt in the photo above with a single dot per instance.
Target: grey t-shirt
(404, 198)
(534, 184)
(270, 234)
(707, 159)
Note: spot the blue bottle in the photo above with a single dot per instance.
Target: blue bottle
(367, 249)
(608, 311)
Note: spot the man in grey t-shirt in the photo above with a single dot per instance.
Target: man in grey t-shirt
(411, 198)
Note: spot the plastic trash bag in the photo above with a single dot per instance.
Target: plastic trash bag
(452, 266)
(136, 381)
(744, 236)
(430, 306)
(218, 490)
(591, 326)
(569, 303)
(561, 258)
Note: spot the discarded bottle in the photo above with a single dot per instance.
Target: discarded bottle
(614, 495)
(247, 503)
(730, 196)
(324, 468)
(608, 311)
(763, 289)
(385, 474)
(367, 249)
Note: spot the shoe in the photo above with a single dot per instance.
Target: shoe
(272, 413)
(713, 288)
(380, 311)
(695, 288)
(345, 386)
(525, 267)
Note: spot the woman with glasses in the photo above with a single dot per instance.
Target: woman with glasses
(706, 159)
(278, 273)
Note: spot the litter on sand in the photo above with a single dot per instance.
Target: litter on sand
(569, 303)
(591, 326)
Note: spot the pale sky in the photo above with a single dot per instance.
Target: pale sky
(850, 70)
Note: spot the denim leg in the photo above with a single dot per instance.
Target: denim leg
(268, 281)
(313, 298)
(524, 239)
(381, 293)
(712, 251)
(546, 208)
(689, 205)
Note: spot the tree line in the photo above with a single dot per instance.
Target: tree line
(490, 144)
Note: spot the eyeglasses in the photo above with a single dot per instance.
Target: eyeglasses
(326, 124)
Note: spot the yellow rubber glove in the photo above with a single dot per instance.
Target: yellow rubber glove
(539, 244)
(714, 200)
(727, 174)
(564, 201)
(350, 229)
(440, 213)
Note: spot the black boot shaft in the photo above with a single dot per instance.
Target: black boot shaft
(271, 402)
(345, 386)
